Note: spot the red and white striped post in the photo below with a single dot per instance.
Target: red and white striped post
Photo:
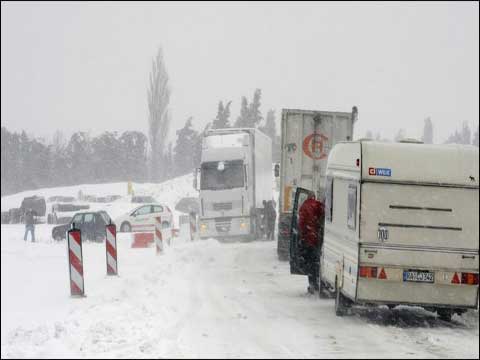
(111, 249)
(158, 235)
(75, 262)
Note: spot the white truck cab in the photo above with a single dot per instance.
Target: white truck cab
(235, 178)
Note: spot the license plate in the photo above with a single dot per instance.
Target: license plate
(418, 276)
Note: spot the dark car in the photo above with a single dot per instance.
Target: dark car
(143, 199)
(91, 224)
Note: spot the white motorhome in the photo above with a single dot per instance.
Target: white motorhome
(401, 226)
(235, 178)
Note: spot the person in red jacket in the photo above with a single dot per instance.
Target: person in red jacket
(310, 224)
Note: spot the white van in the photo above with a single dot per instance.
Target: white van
(401, 226)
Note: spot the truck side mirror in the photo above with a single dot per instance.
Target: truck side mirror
(277, 170)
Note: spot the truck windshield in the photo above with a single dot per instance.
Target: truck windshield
(213, 177)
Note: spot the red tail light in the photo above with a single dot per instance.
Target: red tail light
(455, 279)
(382, 274)
(470, 278)
(368, 271)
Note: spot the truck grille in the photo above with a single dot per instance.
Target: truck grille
(222, 206)
(223, 225)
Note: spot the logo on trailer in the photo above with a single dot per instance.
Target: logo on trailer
(316, 146)
(379, 171)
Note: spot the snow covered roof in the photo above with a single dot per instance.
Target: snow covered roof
(450, 164)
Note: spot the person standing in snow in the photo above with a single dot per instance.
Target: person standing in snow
(30, 224)
(271, 216)
(311, 216)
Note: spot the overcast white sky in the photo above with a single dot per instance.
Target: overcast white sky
(85, 66)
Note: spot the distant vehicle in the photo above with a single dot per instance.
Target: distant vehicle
(15, 215)
(235, 178)
(91, 224)
(307, 137)
(63, 199)
(36, 203)
(142, 218)
(401, 226)
(143, 199)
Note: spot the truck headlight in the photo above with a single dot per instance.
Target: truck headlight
(243, 225)
(203, 227)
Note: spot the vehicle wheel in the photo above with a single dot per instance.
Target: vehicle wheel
(445, 314)
(391, 306)
(126, 227)
(340, 301)
(99, 238)
(58, 238)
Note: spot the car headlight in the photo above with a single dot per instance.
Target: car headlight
(203, 226)
(243, 225)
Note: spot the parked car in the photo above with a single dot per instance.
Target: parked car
(142, 199)
(142, 218)
(37, 203)
(92, 225)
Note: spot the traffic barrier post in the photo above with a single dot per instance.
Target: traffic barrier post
(75, 262)
(111, 249)
(158, 235)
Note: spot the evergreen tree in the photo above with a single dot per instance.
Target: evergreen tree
(465, 134)
(475, 138)
(255, 116)
(223, 113)
(400, 135)
(159, 119)
(184, 149)
(270, 125)
(427, 137)
(243, 119)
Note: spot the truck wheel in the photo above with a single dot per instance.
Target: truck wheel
(340, 302)
(445, 314)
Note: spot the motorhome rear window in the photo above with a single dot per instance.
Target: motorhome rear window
(352, 206)
(227, 140)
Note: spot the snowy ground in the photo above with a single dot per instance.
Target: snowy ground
(199, 299)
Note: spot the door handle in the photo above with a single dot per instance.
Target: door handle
(468, 257)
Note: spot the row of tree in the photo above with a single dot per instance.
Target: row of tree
(187, 150)
(462, 136)
(28, 163)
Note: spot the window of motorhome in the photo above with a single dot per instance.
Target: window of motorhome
(352, 206)
(329, 199)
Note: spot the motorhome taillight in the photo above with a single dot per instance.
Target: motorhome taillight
(368, 271)
(470, 278)
(358, 162)
(455, 279)
(382, 274)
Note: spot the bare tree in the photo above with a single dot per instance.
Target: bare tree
(158, 119)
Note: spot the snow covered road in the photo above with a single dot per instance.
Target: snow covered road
(198, 299)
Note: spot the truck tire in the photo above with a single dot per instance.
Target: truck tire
(445, 314)
(125, 227)
(341, 303)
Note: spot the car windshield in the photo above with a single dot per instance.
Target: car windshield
(220, 175)
(77, 218)
(105, 217)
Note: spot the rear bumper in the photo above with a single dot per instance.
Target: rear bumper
(436, 295)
